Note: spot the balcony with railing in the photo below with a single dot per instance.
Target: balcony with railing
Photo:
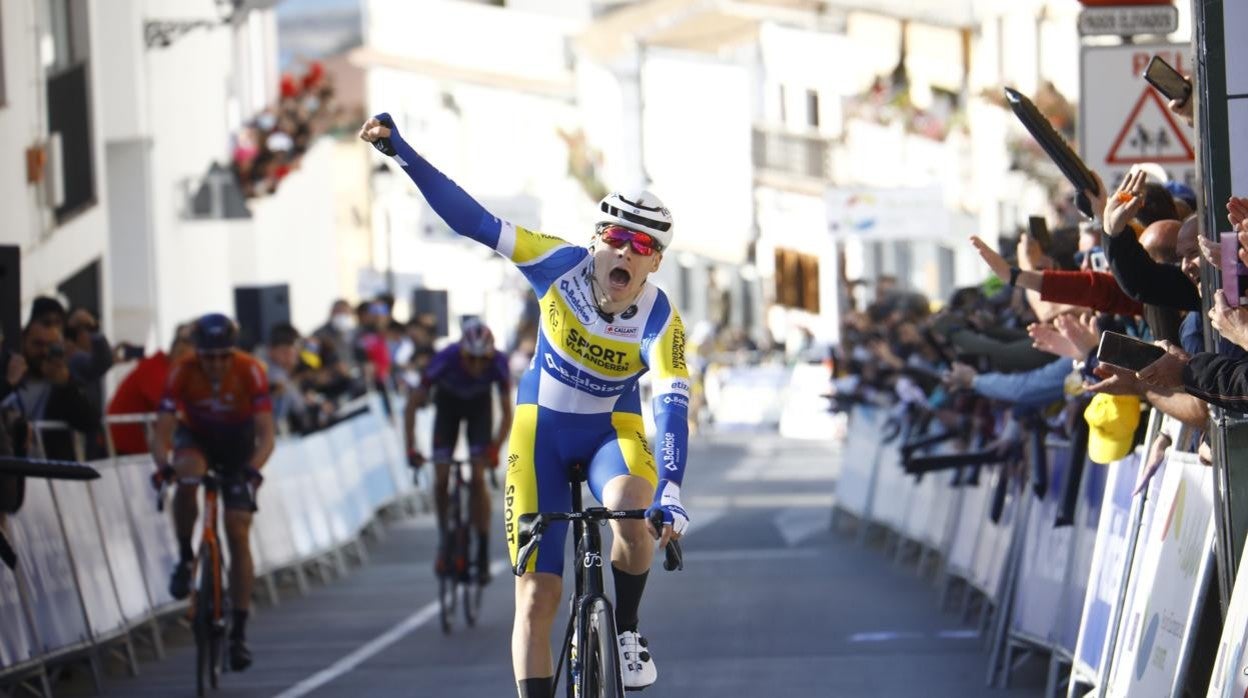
(803, 158)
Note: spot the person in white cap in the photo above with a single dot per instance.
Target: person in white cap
(602, 326)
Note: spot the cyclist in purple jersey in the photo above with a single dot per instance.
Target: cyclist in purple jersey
(458, 379)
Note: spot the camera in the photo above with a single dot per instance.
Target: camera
(56, 350)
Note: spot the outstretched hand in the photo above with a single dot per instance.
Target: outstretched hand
(1047, 338)
(992, 258)
(1126, 203)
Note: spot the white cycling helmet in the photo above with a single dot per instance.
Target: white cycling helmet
(477, 340)
(638, 210)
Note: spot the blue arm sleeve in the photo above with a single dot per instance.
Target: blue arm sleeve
(664, 354)
(1029, 389)
(453, 204)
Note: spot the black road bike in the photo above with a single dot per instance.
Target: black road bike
(593, 669)
(459, 576)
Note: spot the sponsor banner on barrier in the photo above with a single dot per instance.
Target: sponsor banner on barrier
(1175, 558)
(1108, 566)
(1230, 671)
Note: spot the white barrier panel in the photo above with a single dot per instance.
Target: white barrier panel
(272, 538)
(1108, 568)
(804, 411)
(746, 397)
(320, 460)
(1085, 533)
(156, 546)
(1044, 559)
(16, 644)
(119, 546)
(295, 482)
(345, 465)
(379, 485)
(90, 564)
(1230, 671)
(857, 476)
(992, 550)
(970, 520)
(55, 605)
(396, 456)
(1175, 559)
(924, 490)
(893, 489)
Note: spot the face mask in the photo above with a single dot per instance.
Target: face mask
(344, 323)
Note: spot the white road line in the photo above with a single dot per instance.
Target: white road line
(373, 647)
(796, 525)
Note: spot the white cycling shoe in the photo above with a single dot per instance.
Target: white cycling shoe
(636, 663)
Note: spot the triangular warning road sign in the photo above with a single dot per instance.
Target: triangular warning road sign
(1150, 134)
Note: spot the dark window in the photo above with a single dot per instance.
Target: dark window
(812, 109)
(82, 289)
(69, 105)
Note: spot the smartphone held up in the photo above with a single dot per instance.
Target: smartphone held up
(1167, 80)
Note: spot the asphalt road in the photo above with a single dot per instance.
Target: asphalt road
(771, 603)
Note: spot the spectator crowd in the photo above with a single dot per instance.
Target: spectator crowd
(56, 371)
(1020, 355)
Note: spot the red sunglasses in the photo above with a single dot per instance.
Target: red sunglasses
(618, 236)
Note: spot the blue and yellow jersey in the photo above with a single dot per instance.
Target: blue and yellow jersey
(583, 364)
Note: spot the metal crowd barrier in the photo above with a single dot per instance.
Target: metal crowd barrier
(1110, 591)
(94, 558)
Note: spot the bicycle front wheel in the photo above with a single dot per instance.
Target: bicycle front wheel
(600, 675)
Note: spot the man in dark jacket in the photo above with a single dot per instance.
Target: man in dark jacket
(47, 392)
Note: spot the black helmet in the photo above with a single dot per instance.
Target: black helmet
(215, 332)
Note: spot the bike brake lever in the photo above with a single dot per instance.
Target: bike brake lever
(675, 558)
(7, 555)
(522, 560)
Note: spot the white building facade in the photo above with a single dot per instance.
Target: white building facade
(166, 86)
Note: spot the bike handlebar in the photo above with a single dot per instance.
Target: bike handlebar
(533, 526)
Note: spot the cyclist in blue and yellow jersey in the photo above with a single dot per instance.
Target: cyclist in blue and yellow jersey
(602, 326)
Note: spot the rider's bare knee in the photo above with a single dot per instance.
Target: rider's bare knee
(538, 601)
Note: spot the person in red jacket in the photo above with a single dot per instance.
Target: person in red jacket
(141, 390)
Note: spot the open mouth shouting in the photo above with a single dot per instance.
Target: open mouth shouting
(619, 279)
